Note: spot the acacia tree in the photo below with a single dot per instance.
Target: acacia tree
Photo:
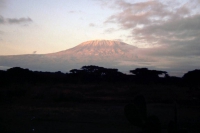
(145, 73)
(93, 69)
(96, 70)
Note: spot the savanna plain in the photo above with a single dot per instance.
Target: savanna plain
(92, 107)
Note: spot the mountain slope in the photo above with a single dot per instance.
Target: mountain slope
(102, 48)
(97, 52)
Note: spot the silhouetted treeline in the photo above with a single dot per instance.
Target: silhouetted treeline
(96, 73)
(17, 75)
(92, 73)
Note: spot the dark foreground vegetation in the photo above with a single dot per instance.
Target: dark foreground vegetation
(97, 100)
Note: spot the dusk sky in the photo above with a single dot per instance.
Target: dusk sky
(171, 28)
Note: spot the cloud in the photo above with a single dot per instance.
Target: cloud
(15, 20)
(18, 20)
(169, 24)
(72, 11)
(105, 3)
(181, 35)
(2, 20)
(110, 30)
(137, 13)
(92, 25)
(1, 32)
(4, 67)
(119, 40)
(2, 3)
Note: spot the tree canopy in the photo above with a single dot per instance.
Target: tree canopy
(145, 72)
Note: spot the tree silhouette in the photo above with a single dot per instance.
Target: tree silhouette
(100, 71)
(192, 76)
(145, 73)
(191, 79)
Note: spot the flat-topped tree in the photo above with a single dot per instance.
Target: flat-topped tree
(145, 73)
(92, 69)
(76, 71)
(96, 70)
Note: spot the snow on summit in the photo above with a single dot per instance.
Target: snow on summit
(99, 49)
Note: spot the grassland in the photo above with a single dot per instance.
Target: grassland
(92, 107)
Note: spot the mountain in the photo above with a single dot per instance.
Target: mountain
(104, 53)
(98, 50)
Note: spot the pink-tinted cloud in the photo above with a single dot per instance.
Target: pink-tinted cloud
(156, 22)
